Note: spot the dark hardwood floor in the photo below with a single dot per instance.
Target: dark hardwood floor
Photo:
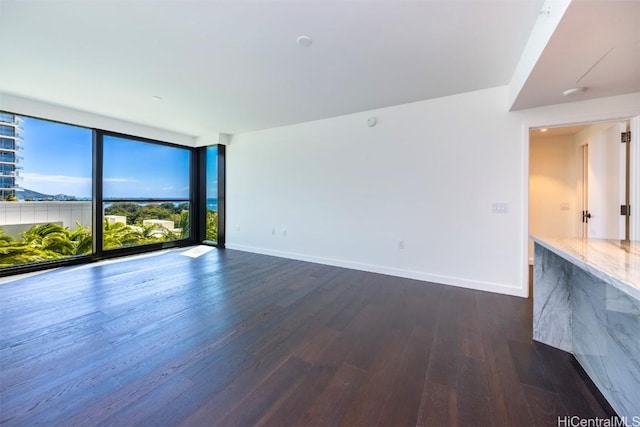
(239, 339)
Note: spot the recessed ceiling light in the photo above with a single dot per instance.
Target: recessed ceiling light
(573, 91)
(544, 130)
(156, 98)
(304, 41)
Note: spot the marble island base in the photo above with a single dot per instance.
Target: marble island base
(593, 314)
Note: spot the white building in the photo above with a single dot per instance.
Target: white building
(10, 140)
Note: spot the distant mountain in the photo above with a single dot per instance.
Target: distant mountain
(34, 195)
(30, 194)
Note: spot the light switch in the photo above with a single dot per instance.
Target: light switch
(497, 207)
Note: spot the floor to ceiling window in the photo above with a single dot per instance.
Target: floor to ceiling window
(74, 194)
(146, 192)
(46, 179)
(212, 194)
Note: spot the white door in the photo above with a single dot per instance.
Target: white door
(584, 196)
(605, 179)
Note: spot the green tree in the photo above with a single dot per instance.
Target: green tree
(212, 225)
(169, 207)
(44, 242)
(14, 252)
(83, 239)
(151, 211)
(117, 235)
(122, 208)
(50, 238)
(182, 221)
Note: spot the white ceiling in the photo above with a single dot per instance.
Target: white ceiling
(557, 131)
(596, 46)
(234, 66)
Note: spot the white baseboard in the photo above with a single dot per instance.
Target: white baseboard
(408, 274)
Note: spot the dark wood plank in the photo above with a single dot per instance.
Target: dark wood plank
(258, 402)
(473, 393)
(576, 396)
(330, 405)
(545, 407)
(508, 402)
(443, 360)
(470, 341)
(375, 388)
(438, 406)
(529, 366)
(299, 399)
(402, 406)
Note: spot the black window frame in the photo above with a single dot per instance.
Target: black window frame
(201, 221)
(197, 203)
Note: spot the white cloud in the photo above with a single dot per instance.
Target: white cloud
(61, 179)
(65, 179)
(119, 180)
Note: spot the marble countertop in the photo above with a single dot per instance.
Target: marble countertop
(613, 261)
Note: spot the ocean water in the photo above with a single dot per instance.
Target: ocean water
(212, 204)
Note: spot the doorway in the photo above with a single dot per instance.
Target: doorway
(605, 182)
(579, 181)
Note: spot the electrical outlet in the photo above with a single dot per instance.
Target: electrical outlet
(401, 244)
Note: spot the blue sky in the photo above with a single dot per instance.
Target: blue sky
(135, 169)
(212, 174)
(58, 159)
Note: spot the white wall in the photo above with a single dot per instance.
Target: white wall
(427, 174)
(553, 175)
(347, 193)
(29, 213)
(591, 131)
